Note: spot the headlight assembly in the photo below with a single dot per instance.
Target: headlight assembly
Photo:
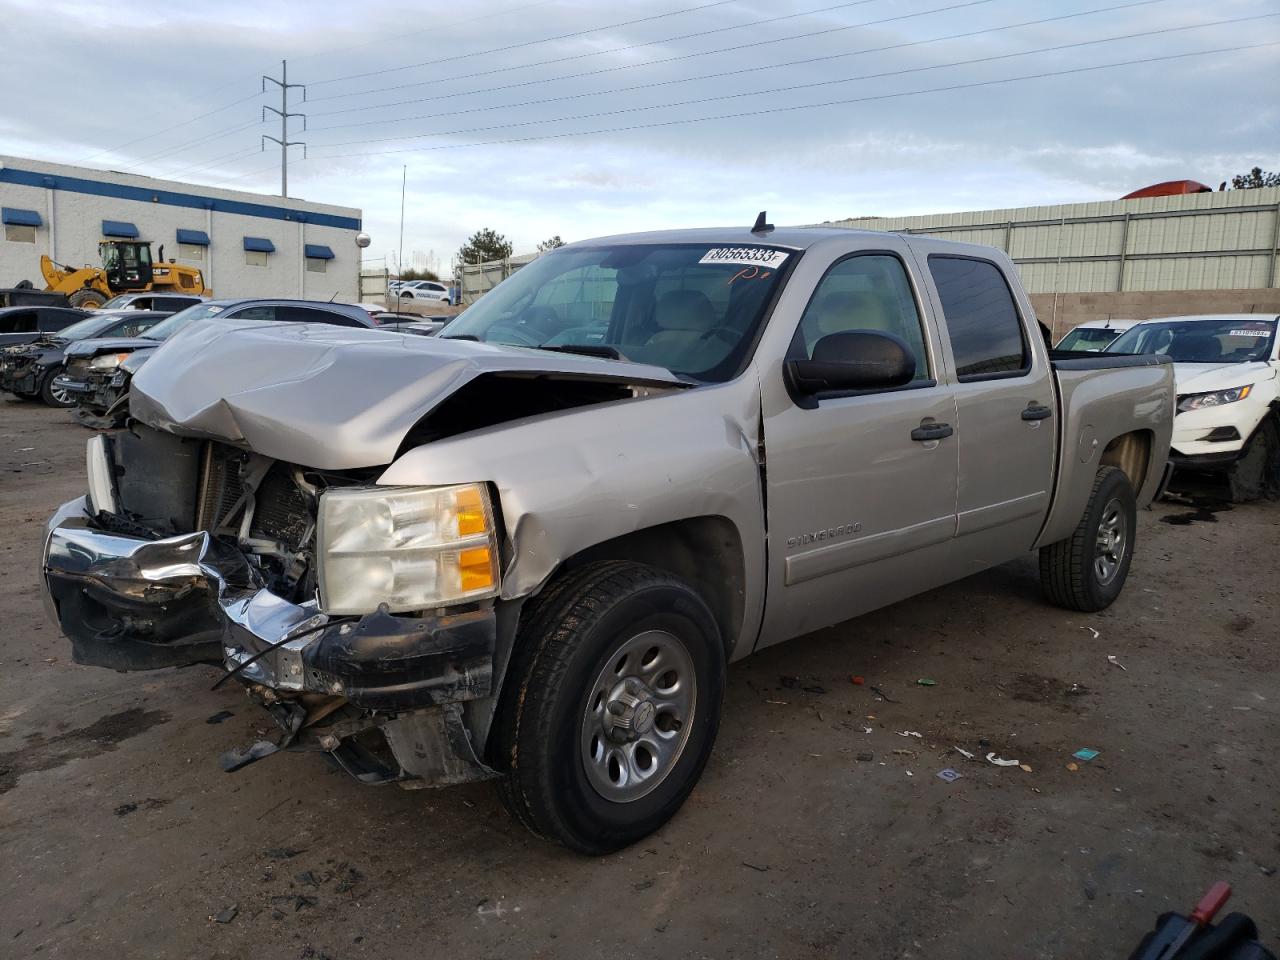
(1216, 398)
(411, 548)
(108, 361)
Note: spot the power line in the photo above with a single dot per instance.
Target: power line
(636, 46)
(175, 126)
(762, 111)
(791, 63)
(179, 148)
(533, 43)
(992, 58)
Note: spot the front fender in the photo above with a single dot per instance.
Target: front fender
(572, 480)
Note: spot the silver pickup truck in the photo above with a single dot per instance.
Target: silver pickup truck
(527, 549)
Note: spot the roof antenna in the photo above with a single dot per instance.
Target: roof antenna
(761, 226)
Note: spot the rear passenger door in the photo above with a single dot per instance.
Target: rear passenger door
(1005, 408)
(17, 326)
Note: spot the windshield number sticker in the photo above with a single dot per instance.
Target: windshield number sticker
(745, 257)
(1260, 332)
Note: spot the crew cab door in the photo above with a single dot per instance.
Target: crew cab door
(860, 487)
(1006, 407)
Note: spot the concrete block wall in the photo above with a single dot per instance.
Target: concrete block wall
(1060, 312)
(73, 202)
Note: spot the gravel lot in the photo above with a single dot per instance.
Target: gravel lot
(121, 836)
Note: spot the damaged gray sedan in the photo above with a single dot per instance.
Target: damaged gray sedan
(526, 549)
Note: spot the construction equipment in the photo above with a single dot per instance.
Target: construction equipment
(126, 267)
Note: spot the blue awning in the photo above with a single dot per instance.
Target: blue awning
(20, 218)
(119, 228)
(317, 251)
(195, 237)
(259, 245)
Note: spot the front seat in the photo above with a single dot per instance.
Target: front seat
(684, 318)
(851, 310)
(1200, 348)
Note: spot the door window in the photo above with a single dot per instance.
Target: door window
(313, 315)
(982, 320)
(865, 292)
(21, 322)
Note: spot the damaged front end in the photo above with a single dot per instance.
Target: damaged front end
(188, 551)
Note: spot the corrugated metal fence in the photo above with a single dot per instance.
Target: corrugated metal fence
(477, 279)
(1204, 241)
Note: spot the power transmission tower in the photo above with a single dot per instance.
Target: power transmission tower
(284, 115)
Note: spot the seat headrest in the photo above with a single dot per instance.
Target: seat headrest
(684, 310)
(852, 310)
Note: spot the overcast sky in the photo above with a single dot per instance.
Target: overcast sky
(392, 84)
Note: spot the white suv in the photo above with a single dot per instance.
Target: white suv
(423, 290)
(1228, 417)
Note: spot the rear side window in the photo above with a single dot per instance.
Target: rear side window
(982, 320)
(132, 327)
(312, 315)
(21, 322)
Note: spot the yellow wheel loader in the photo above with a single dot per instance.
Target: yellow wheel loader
(126, 268)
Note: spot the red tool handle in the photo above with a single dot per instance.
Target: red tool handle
(1211, 903)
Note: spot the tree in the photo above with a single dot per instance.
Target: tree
(485, 245)
(412, 273)
(550, 244)
(1255, 178)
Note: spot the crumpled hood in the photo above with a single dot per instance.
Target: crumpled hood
(91, 348)
(1206, 377)
(329, 397)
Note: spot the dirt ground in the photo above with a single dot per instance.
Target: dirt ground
(120, 836)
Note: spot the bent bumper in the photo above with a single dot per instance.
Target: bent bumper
(131, 603)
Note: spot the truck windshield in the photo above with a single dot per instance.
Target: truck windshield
(167, 328)
(691, 308)
(1200, 341)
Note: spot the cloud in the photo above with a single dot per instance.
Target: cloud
(757, 141)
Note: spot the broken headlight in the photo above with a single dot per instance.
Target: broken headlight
(411, 548)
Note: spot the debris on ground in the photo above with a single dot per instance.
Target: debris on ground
(926, 682)
(884, 696)
(125, 809)
(1095, 633)
(220, 716)
(992, 758)
(756, 867)
(239, 757)
(909, 733)
(963, 752)
(857, 681)
(150, 803)
(1073, 767)
(284, 853)
(1025, 767)
(307, 879)
(949, 775)
(1111, 659)
(866, 757)
(226, 915)
(297, 899)
(1086, 754)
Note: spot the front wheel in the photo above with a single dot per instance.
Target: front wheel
(87, 298)
(52, 394)
(611, 707)
(1087, 570)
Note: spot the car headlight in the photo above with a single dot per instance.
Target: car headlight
(1216, 398)
(108, 361)
(408, 547)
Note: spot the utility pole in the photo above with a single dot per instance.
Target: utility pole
(284, 115)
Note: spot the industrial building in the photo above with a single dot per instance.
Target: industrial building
(246, 244)
(1213, 252)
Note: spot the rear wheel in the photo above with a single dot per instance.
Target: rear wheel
(53, 395)
(611, 707)
(1257, 474)
(1087, 570)
(87, 298)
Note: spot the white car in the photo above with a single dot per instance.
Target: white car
(1228, 417)
(423, 290)
(1093, 336)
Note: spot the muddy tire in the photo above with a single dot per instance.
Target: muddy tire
(52, 396)
(611, 706)
(1256, 475)
(1087, 570)
(86, 298)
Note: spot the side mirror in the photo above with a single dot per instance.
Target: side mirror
(852, 360)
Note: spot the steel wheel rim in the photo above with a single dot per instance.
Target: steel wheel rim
(1111, 542)
(637, 716)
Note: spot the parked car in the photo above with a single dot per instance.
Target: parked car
(171, 302)
(24, 324)
(423, 290)
(98, 371)
(1094, 336)
(1228, 419)
(506, 553)
(30, 370)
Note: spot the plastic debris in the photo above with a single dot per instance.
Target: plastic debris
(226, 915)
(949, 775)
(1026, 767)
(910, 774)
(857, 681)
(1111, 659)
(866, 730)
(910, 733)
(963, 752)
(780, 703)
(1086, 754)
(233, 760)
(1073, 767)
(992, 758)
(1095, 633)
(926, 682)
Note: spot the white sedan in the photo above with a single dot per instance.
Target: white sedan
(423, 290)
